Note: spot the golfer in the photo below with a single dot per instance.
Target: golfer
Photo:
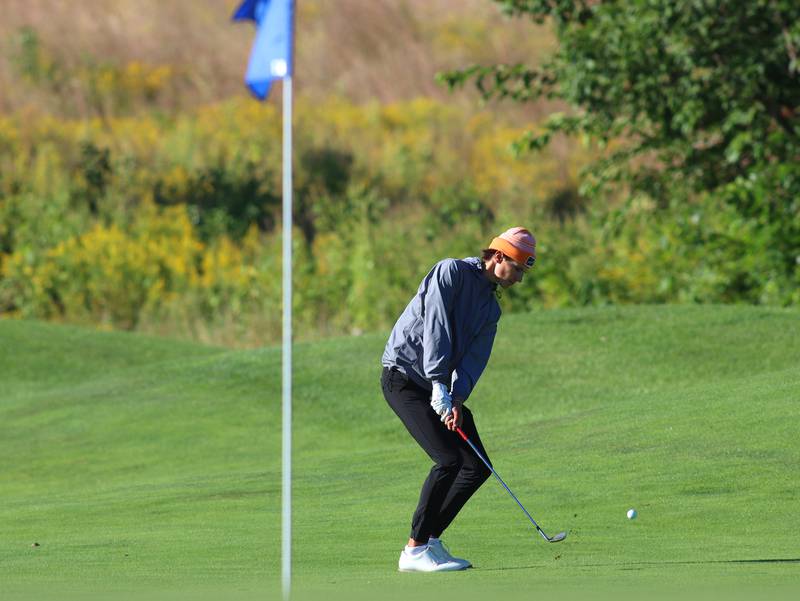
(432, 361)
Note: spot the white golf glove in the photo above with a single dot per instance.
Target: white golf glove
(441, 401)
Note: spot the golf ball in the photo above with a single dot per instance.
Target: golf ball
(632, 514)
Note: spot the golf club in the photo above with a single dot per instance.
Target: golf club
(550, 539)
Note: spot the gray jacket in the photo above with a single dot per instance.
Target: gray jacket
(447, 331)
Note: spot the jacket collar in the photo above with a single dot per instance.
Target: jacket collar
(477, 269)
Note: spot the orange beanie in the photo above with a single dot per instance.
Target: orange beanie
(517, 243)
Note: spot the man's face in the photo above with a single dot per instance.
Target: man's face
(508, 272)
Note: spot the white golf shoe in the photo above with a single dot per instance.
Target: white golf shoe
(438, 548)
(425, 561)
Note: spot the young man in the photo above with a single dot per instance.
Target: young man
(432, 361)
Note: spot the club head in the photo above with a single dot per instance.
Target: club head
(557, 538)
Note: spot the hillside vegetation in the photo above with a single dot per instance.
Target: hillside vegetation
(140, 186)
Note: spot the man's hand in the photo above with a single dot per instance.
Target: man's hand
(456, 416)
(441, 401)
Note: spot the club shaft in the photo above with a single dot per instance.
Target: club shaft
(499, 479)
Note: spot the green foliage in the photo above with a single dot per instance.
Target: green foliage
(32, 62)
(171, 224)
(222, 201)
(695, 104)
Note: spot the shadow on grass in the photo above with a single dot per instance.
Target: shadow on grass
(641, 564)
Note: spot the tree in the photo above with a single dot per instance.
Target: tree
(697, 99)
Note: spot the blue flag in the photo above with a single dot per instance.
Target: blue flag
(271, 57)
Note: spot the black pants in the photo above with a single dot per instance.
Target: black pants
(457, 472)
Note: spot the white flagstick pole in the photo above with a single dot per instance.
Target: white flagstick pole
(286, 531)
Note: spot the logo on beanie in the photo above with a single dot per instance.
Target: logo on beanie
(530, 261)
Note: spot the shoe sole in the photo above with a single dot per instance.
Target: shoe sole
(461, 569)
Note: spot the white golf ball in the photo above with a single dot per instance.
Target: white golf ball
(632, 514)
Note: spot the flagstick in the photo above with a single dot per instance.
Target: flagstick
(286, 531)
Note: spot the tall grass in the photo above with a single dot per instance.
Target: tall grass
(54, 55)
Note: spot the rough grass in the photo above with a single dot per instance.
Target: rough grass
(142, 464)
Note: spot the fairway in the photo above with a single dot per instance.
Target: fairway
(139, 463)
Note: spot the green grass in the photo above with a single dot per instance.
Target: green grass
(146, 464)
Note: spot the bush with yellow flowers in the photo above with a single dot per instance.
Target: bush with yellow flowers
(171, 224)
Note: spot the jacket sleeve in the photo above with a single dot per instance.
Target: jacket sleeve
(466, 374)
(438, 297)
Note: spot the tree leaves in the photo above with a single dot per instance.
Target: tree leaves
(697, 98)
